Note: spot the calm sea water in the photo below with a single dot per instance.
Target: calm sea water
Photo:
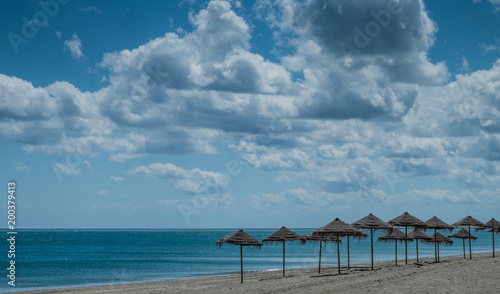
(67, 258)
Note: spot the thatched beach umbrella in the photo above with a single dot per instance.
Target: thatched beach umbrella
(338, 228)
(396, 235)
(462, 234)
(373, 223)
(437, 224)
(439, 238)
(416, 234)
(407, 220)
(282, 235)
(494, 225)
(239, 238)
(321, 239)
(468, 222)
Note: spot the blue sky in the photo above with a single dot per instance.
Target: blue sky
(195, 114)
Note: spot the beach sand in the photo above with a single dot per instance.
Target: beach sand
(452, 275)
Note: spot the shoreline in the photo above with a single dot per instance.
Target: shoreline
(452, 275)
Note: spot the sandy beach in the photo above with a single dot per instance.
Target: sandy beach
(452, 275)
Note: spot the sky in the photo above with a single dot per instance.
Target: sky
(248, 114)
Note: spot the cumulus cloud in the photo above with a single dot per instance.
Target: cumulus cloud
(116, 179)
(296, 196)
(194, 181)
(20, 166)
(75, 46)
(354, 97)
(374, 50)
(103, 192)
(65, 169)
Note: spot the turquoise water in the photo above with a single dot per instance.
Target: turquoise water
(67, 258)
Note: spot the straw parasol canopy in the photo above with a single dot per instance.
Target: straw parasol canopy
(462, 234)
(282, 235)
(437, 224)
(407, 220)
(338, 228)
(372, 223)
(416, 234)
(321, 239)
(440, 238)
(395, 235)
(468, 222)
(239, 238)
(493, 224)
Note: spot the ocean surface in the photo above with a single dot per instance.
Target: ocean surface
(68, 258)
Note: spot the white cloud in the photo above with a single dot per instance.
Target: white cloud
(465, 64)
(345, 120)
(75, 46)
(123, 157)
(20, 166)
(292, 160)
(103, 192)
(283, 178)
(495, 3)
(90, 8)
(65, 169)
(297, 196)
(193, 181)
(116, 179)
(441, 196)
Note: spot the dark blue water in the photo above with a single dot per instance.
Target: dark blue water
(66, 258)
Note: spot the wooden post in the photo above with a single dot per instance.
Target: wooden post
(319, 269)
(493, 235)
(464, 246)
(406, 244)
(435, 247)
(470, 248)
(283, 258)
(439, 259)
(416, 242)
(396, 242)
(371, 237)
(338, 252)
(348, 255)
(241, 262)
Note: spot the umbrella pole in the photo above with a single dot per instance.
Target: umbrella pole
(435, 247)
(283, 259)
(241, 262)
(493, 235)
(439, 260)
(396, 252)
(416, 242)
(338, 252)
(464, 246)
(371, 237)
(319, 268)
(406, 244)
(348, 255)
(470, 249)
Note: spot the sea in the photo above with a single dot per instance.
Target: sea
(47, 259)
